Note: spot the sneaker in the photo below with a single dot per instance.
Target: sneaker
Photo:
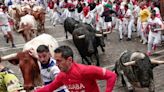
(144, 42)
(149, 53)
(13, 46)
(7, 40)
(141, 41)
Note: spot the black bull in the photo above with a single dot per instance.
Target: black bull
(135, 67)
(85, 39)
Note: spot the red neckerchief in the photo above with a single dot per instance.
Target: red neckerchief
(97, 17)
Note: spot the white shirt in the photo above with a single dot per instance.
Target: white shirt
(136, 10)
(155, 20)
(129, 13)
(99, 9)
(49, 73)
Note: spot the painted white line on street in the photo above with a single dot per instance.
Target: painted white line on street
(61, 39)
(18, 46)
(50, 26)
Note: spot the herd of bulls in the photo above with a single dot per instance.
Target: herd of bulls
(28, 20)
(131, 66)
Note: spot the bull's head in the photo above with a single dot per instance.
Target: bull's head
(142, 67)
(29, 68)
(91, 40)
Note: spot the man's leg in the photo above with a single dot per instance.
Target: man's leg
(11, 38)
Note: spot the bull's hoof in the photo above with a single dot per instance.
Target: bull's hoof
(103, 50)
(131, 89)
(66, 37)
(123, 84)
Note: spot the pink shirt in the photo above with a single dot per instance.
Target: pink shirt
(82, 78)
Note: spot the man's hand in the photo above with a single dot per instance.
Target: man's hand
(33, 53)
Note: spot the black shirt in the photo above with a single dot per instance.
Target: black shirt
(107, 14)
(92, 6)
(79, 7)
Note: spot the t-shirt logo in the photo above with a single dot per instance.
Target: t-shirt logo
(76, 87)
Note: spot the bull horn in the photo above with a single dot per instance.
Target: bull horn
(20, 30)
(137, 55)
(108, 32)
(34, 28)
(129, 63)
(9, 57)
(99, 35)
(153, 61)
(81, 36)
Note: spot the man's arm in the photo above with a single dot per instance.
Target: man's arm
(111, 78)
(99, 73)
(52, 86)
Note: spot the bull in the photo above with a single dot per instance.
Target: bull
(85, 38)
(86, 41)
(136, 67)
(27, 27)
(27, 63)
(39, 14)
(71, 24)
(15, 13)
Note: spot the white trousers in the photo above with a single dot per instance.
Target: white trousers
(130, 26)
(143, 32)
(120, 28)
(154, 38)
(139, 26)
